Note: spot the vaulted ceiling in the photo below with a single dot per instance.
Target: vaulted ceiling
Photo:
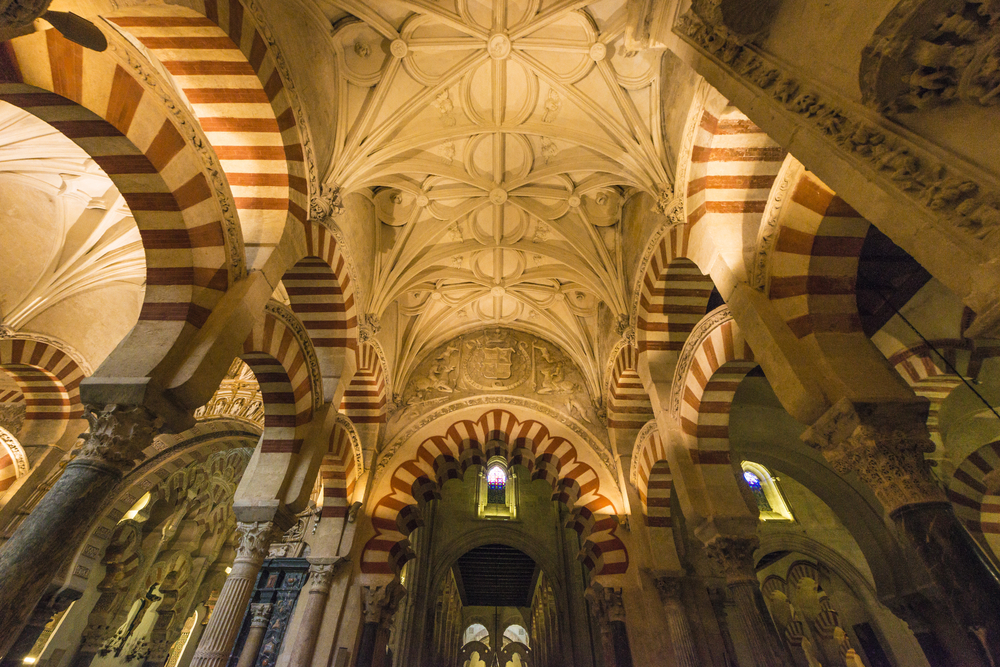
(500, 139)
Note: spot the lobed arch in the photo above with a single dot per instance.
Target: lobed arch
(191, 257)
(257, 141)
(417, 473)
(628, 403)
(365, 397)
(282, 358)
(651, 476)
(49, 380)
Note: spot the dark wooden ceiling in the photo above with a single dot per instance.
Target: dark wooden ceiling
(495, 575)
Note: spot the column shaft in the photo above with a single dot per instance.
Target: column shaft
(260, 615)
(320, 578)
(677, 622)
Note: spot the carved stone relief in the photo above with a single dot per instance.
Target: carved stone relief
(237, 396)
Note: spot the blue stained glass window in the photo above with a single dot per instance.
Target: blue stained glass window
(758, 491)
(496, 483)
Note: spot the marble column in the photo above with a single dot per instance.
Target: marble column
(260, 615)
(670, 590)
(380, 604)
(320, 578)
(608, 608)
(733, 557)
(227, 615)
(884, 445)
(54, 530)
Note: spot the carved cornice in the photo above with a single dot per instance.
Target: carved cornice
(644, 433)
(767, 235)
(958, 202)
(701, 331)
(352, 433)
(602, 451)
(138, 61)
(285, 314)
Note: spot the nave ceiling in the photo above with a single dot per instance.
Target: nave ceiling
(500, 141)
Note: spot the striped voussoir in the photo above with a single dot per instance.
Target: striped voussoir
(674, 297)
(11, 397)
(733, 166)
(976, 504)
(338, 474)
(48, 378)
(364, 398)
(277, 359)
(628, 402)
(814, 265)
(654, 481)
(463, 444)
(224, 69)
(96, 103)
(8, 471)
(321, 292)
(721, 360)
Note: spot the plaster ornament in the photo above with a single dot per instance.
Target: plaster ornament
(368, 327)
(398, 48)
(327, 204)
(448, 150)
(670, 205)
(553, 103)
(598, 52)
(445, 106)
(362, 49)
(573, 201)
(498, 46)
(548, 148)
(118, 434)
(498, 195)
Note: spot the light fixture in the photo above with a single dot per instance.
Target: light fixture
(228, 570)
(29, 660)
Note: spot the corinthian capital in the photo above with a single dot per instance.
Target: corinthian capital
(254, 539)
(733, 557)
(321, 575)
(118, 434)
(260, 615)
(884, 444)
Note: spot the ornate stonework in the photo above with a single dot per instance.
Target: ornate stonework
(884, 444)
(12, 417)
(381, 602)
(237, 396)
(260, 614)
(326, 204)
(733, 557)
(321, 575)
(118, 435)
(767, 235)
(691, 347)
(285, 314)
(254, 540)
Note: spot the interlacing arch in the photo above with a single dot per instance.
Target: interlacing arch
(975, 495)
(466, 443)
(223, 68)
(284, 362)
(652, 477)
(628, 402)
(49, 380)
(674, 295)
(100, 106)
(713, 363)
(364, 399)
(338, 473)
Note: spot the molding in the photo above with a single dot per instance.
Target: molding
(644, 433)
(352, 433)
(499, 401)
(145, 73)
(285, 314)
(702, 330)
(57, 343)
(767, 235)
(21, 465)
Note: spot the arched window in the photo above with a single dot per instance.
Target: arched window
(764, 487)
(497, 490)
(515, 633)
(476, 632)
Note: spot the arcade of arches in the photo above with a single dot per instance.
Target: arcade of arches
(499, 333)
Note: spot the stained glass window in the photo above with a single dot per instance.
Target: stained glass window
(496, 483)
(758, 492)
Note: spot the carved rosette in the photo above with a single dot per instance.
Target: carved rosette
(733, 557)
(381, 602)
(118, 435)
(254, 540)
(885, 446)
(260, 614)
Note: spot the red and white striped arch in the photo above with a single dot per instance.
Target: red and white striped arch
(733, 166)
(714, 362)
(13, 461)
(628, 402)
(365, 397)
(97, 104)
(814, 264)
(674, 296)
(338, 472)
(449, 449)
(280, 357)
(222, 66)
(49, 380)
(975, 495)
(652, 477)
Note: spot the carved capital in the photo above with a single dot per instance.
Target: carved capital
(260, 614)
(733, 557)
(743, 18)
(327, 204)
(606, 604)
(670, 589)
(884, 444)
(381, 602)
(20, 13)
(254, 540)
(321, 575)
(670, 204)
(118, 435)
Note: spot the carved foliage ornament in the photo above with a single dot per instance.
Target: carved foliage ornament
(733, 557)
(902, 165)
(118, 435)
(254, 540)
